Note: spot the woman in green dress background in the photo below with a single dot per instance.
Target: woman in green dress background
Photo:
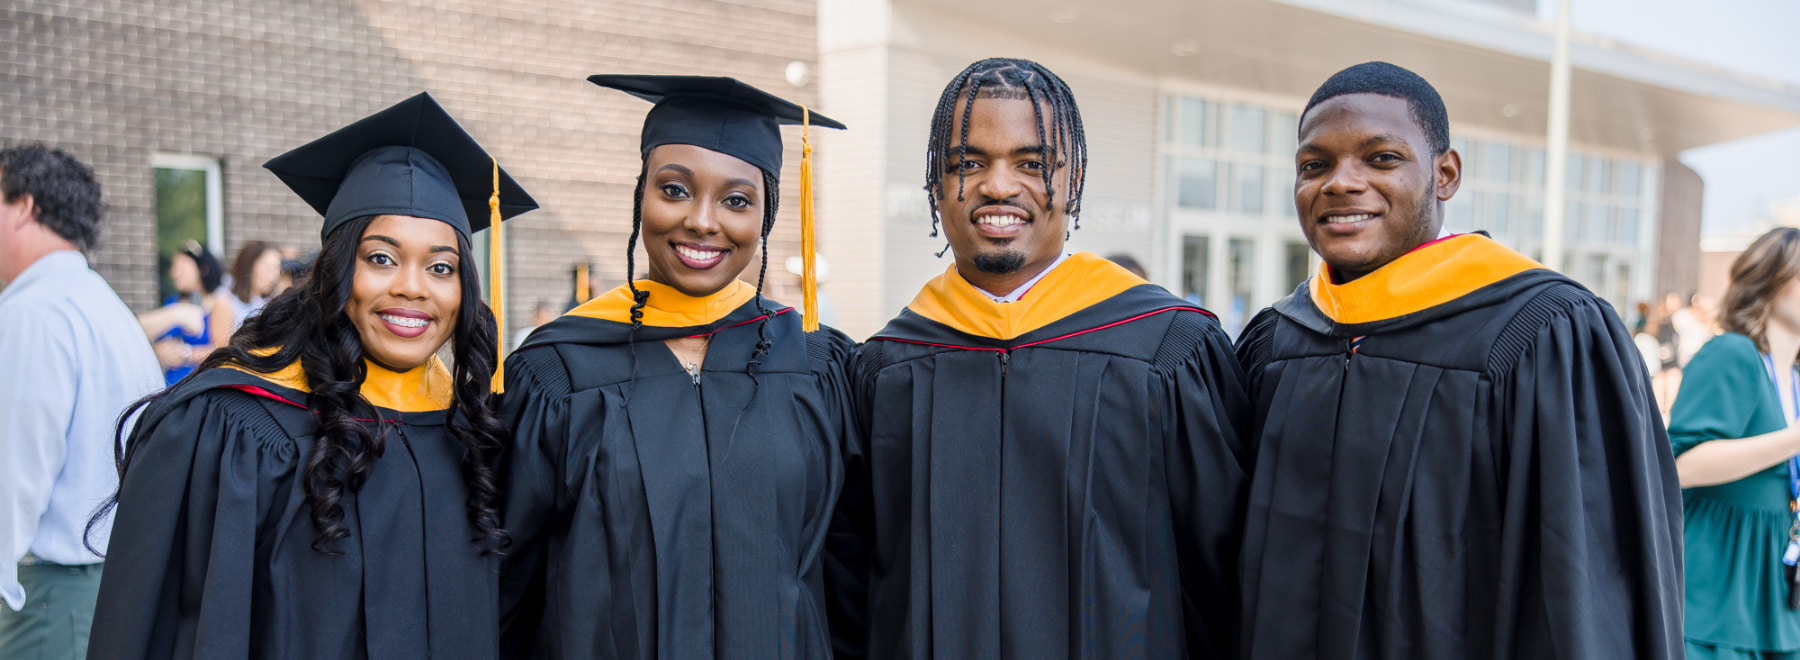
(1735, 454)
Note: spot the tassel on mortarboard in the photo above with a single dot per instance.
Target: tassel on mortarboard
(496, 274)
(809, 280)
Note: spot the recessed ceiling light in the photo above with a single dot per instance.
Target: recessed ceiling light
(1509, 110)
(1185, 48)
(1065, 15)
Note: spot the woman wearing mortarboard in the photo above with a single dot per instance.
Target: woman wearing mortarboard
(323, 486)
(675, 453)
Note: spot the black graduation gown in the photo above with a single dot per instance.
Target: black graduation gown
(1075, 491)
(654, 517)
(211, 553)
(1485, 477)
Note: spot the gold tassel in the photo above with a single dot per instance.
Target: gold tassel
(496, 272)
(809, 281)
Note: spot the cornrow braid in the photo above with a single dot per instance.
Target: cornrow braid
(771, 203)
(1064, 140)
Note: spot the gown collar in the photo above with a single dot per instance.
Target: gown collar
(1432, 274)
(423, 389)
(667, 307)
(1077, 283)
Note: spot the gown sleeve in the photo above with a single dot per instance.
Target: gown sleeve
(1208, 476)
(850, 542)
(535, 411)
(1590, 530)
(1717, 393)
(181, 564)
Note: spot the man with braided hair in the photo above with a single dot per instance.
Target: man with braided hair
(1457, 451)
(1050, 463)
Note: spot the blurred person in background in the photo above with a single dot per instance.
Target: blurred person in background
(71, 360)
(293, 264)
(254, 276)
(194, 321)
(1129, 263)
(1694, 326)
(1735, 448)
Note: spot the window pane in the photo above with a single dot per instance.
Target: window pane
(1194, 116)
(1626, 178)
(1627, 221)
(1248, 194)
(1459, 212)
(1499, 219)
(1299, 264)
(1197, 183)
(1243, 276)
(1534, 168)
(1573, 178)
(1247, 129)
(1496, 161)
(180, 217)
(1195, 257)
(1285, 136)
(1598, 172)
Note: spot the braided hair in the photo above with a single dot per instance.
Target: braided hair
(771, 204)
(1003, 78)
(308, 323)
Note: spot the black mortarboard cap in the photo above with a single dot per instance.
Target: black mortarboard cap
(410, 159)
(721, 114)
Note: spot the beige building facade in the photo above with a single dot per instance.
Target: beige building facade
(1190, 111)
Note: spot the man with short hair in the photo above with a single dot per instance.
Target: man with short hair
(72, 358)
(1458, 455)
(1051, 464)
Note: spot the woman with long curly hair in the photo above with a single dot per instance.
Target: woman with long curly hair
(676, 440)
(323, 487)
(1735, 452)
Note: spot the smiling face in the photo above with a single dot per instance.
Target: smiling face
(1002, 231)
(702, 212)
(405, 293)
(1367, 188)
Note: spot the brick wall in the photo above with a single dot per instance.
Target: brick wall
(116, 81)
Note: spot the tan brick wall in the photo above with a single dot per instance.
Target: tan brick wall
(115, 81)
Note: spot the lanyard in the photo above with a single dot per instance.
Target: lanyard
(1793, 462)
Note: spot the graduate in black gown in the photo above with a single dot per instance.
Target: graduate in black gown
(1458, 454)
(1052, 465)
(676, 440)
(323, 487)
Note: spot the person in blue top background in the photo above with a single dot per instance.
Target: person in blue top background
(194, 321)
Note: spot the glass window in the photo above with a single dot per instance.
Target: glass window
(1284, 136)
(1534, 168)
(1299, 263)
(1195, 118)
(1247, 129)
(1598, 172)
(1498, 218)
(1243, 277)
(1196, 183)
(1496, 161)
(1627, 221)
(1195, 259)
(1459, 212)
(188, 208)
(1573, 176)
(1626, 177)
(1248, 193)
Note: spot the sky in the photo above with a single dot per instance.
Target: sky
(1759, 37)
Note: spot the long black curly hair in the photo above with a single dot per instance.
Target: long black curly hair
(309, 323)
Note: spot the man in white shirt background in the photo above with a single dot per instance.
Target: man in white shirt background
(72, 357)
